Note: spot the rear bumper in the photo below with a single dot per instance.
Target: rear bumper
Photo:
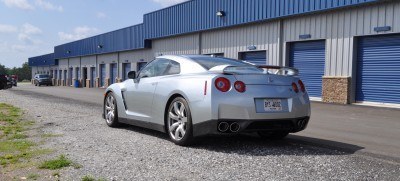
(291, 125)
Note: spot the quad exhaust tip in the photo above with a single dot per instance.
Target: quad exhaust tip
(234, 127)
(223, 126)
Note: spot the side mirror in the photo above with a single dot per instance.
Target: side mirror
(132, 75)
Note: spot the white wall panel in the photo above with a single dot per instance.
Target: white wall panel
(185, 44)
(75, 62)
(89, 61)
(234, 40)
(63, 63)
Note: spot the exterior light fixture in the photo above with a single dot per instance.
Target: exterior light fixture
(306, 36)
(221, 13)
(252, 47)
(382, 28)
(99, 46)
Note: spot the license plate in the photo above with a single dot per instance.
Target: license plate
(273, 104)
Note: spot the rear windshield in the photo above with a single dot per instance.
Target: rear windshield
(43, 76)
(210, 62)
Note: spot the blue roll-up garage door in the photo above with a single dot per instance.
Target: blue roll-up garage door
(378, 69)
(309, 58)
(257, 57)
(113, 73)
(102, 75)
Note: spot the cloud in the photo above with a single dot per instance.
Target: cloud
(30, 29)
(101, 15)
(21, 4)
(78, 33)
(19, 48)
(48, 6)
(7, 28)
(166, 3)
(27, 32)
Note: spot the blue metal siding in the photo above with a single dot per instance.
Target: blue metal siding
(124, 39)
(44, 60)
(192, 16)
(309, 58)
(378, 69)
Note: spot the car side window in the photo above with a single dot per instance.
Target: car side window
(173, 68)
(155, 68)
(148, 70)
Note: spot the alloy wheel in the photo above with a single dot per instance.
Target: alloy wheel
(110, 109)
(177, 120)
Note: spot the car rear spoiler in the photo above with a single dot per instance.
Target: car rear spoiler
(280, 70)
(268, 69)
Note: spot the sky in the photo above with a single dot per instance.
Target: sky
(30, 28)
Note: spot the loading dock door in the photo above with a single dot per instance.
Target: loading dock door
(378, 69)
(309, 58)
(257, 57)
(103, 74)
(113, 73)
(127, 69)
(70, 76)
(92, 76)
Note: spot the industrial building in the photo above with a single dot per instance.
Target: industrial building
(347, 51)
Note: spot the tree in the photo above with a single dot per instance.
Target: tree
(3, 69)
(23, 73)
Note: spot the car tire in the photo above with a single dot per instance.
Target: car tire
(274, 135)
(111, 111)
(179, 125)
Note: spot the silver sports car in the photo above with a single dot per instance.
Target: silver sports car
(188, 96)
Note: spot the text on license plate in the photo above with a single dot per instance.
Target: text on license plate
(273, 104)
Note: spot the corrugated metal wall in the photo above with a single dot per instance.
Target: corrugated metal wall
(89, 61)
(187, 44)
(43, 60)
(339, 29)
(123, 39)
(199, 15)
(193, 16)
(63, 63)
(231, 41)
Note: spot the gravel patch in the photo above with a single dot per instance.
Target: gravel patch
(132, 153)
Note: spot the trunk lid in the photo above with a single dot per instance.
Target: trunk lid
(266, 79)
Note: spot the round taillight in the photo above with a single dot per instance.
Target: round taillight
(222, 84)
(295, 88)
(302, 87)
(240, 86)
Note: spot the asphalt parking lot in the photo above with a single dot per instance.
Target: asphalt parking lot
(341, 142)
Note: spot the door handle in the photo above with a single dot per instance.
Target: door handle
(154, 83)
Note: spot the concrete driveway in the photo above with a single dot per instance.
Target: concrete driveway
(358, 129)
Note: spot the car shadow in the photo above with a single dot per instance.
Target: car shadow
(253, 145)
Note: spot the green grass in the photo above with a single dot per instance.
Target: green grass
(50, 135)
(15, 149)
(88, 178)
(33, 176)
(56, 174)
(56, 163)
(91, 178)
